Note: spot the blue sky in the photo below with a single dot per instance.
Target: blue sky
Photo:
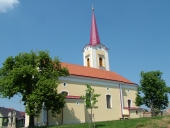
(137, 33)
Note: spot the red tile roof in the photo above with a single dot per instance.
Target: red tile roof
(72, 97)
(131, 108)
(22, 113)
(77, 70)
(11, 108)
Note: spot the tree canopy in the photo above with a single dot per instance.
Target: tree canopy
(90, 98)
(34, 76)
(154, 89)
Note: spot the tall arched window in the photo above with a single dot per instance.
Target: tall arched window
(129, 103)
(88, 62)
(100, 62)
(108, 101)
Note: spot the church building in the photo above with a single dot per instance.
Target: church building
(117, 93)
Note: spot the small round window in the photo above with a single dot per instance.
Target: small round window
(64, 84)
(107, 88)
(77, 103)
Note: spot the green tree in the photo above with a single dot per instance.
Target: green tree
(34, 77)
(139, 99)
(154, 89)
(90, 100)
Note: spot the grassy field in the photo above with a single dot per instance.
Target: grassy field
(155, 122)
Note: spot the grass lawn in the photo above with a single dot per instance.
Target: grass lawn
(155, 122)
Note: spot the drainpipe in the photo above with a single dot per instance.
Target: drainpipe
(121, 101)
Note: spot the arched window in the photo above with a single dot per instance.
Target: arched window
(129, 103)
(108, 101)
(100, 62)
(65, 93)
(88, 62)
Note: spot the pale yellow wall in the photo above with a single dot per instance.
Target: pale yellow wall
(134, 115)
(125, 112)
(72, 112)
(87, 53)
(38, 120)
(109, 114)
(54, 120)
(114, 113)
(129, 95)
(102, 54)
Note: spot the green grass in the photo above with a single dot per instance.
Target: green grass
(155, 122)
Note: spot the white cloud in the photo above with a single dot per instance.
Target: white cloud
(6, 5)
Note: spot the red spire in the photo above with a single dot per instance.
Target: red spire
(94, 36)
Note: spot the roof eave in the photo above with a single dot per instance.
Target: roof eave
(104, 79)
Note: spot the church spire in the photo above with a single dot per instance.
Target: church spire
(95, 54)
(94, 36)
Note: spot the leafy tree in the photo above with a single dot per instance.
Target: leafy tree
(154, 89)
(34, 76)
(138, 100)
(90, 100)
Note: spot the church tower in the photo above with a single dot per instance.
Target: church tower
(95, 54)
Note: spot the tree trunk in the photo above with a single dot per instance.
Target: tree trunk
(152, 111)
(31, 121)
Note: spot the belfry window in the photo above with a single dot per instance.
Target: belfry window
(88, 62)
(100, 62)
(108, 101)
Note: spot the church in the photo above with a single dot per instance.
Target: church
(117, 93)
